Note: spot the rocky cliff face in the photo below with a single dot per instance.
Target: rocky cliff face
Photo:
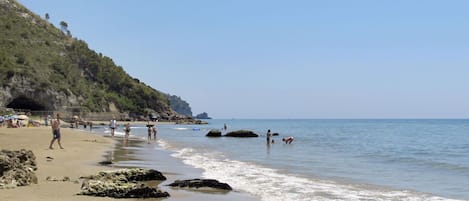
(22, 93)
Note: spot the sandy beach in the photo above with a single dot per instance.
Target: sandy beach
(82, 151)
(80, 156)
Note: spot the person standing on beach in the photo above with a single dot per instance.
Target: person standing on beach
(91, 126)
(55, 123)
(112, 125)
(149, 127)
(225, 127)
(154, 131)
(127, 130)
(268, 136)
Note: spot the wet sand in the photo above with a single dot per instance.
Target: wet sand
(141, 153)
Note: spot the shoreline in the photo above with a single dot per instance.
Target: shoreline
(81, 155)
(139, 153)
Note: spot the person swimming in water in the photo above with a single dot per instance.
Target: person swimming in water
(288, 140)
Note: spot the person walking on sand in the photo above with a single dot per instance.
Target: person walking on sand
(112, 125)
(55, 123)
(268, 136)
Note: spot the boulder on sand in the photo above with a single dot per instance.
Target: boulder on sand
(241, 133)
(214, 133)
(17, 168)
(115, 189)
(128, 175)
(123, 184)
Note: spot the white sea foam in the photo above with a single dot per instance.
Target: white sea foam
(272, 185)
(181, 128)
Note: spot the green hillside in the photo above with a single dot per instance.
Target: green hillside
(37, 58)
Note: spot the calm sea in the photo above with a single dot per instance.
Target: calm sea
(330, 159)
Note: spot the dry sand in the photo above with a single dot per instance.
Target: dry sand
(79, 158)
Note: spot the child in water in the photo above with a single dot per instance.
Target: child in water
(288, 140)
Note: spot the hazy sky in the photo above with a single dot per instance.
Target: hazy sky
(286, 59)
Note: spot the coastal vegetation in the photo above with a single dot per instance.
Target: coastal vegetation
(36, 58)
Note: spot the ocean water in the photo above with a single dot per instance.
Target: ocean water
(330, 159)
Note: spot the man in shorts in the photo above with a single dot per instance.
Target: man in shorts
(55, 132)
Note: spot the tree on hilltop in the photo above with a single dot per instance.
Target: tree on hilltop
(64, 26)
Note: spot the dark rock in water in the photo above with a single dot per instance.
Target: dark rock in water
(214, 133)
(241, 133)
(199, 183)
(120, 190)
(274, 134)
(122, 184)
(17, 168)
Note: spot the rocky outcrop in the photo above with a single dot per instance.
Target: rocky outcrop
(17, 168)
(128, 175)
(241, 133)
(123, 184)
(214, 133)
(200, 183)
(36, 97)
(108, 188)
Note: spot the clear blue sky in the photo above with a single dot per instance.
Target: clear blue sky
(286, 59)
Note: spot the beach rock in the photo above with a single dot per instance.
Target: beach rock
(113, 189)
(199, 183)
(241, 133)
(128, 175)
(275, 134)
(214, 133)
(17, 168)
(123, 184)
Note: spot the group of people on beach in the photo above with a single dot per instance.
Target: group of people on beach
(152, 130)
(113, 126)
(56, 136)
(287, 140)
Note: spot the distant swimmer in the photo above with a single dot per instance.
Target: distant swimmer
(288, 140)
(268, 135)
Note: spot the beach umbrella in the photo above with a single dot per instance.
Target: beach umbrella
(22, 117)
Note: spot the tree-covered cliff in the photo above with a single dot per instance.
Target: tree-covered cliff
(52, 70)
